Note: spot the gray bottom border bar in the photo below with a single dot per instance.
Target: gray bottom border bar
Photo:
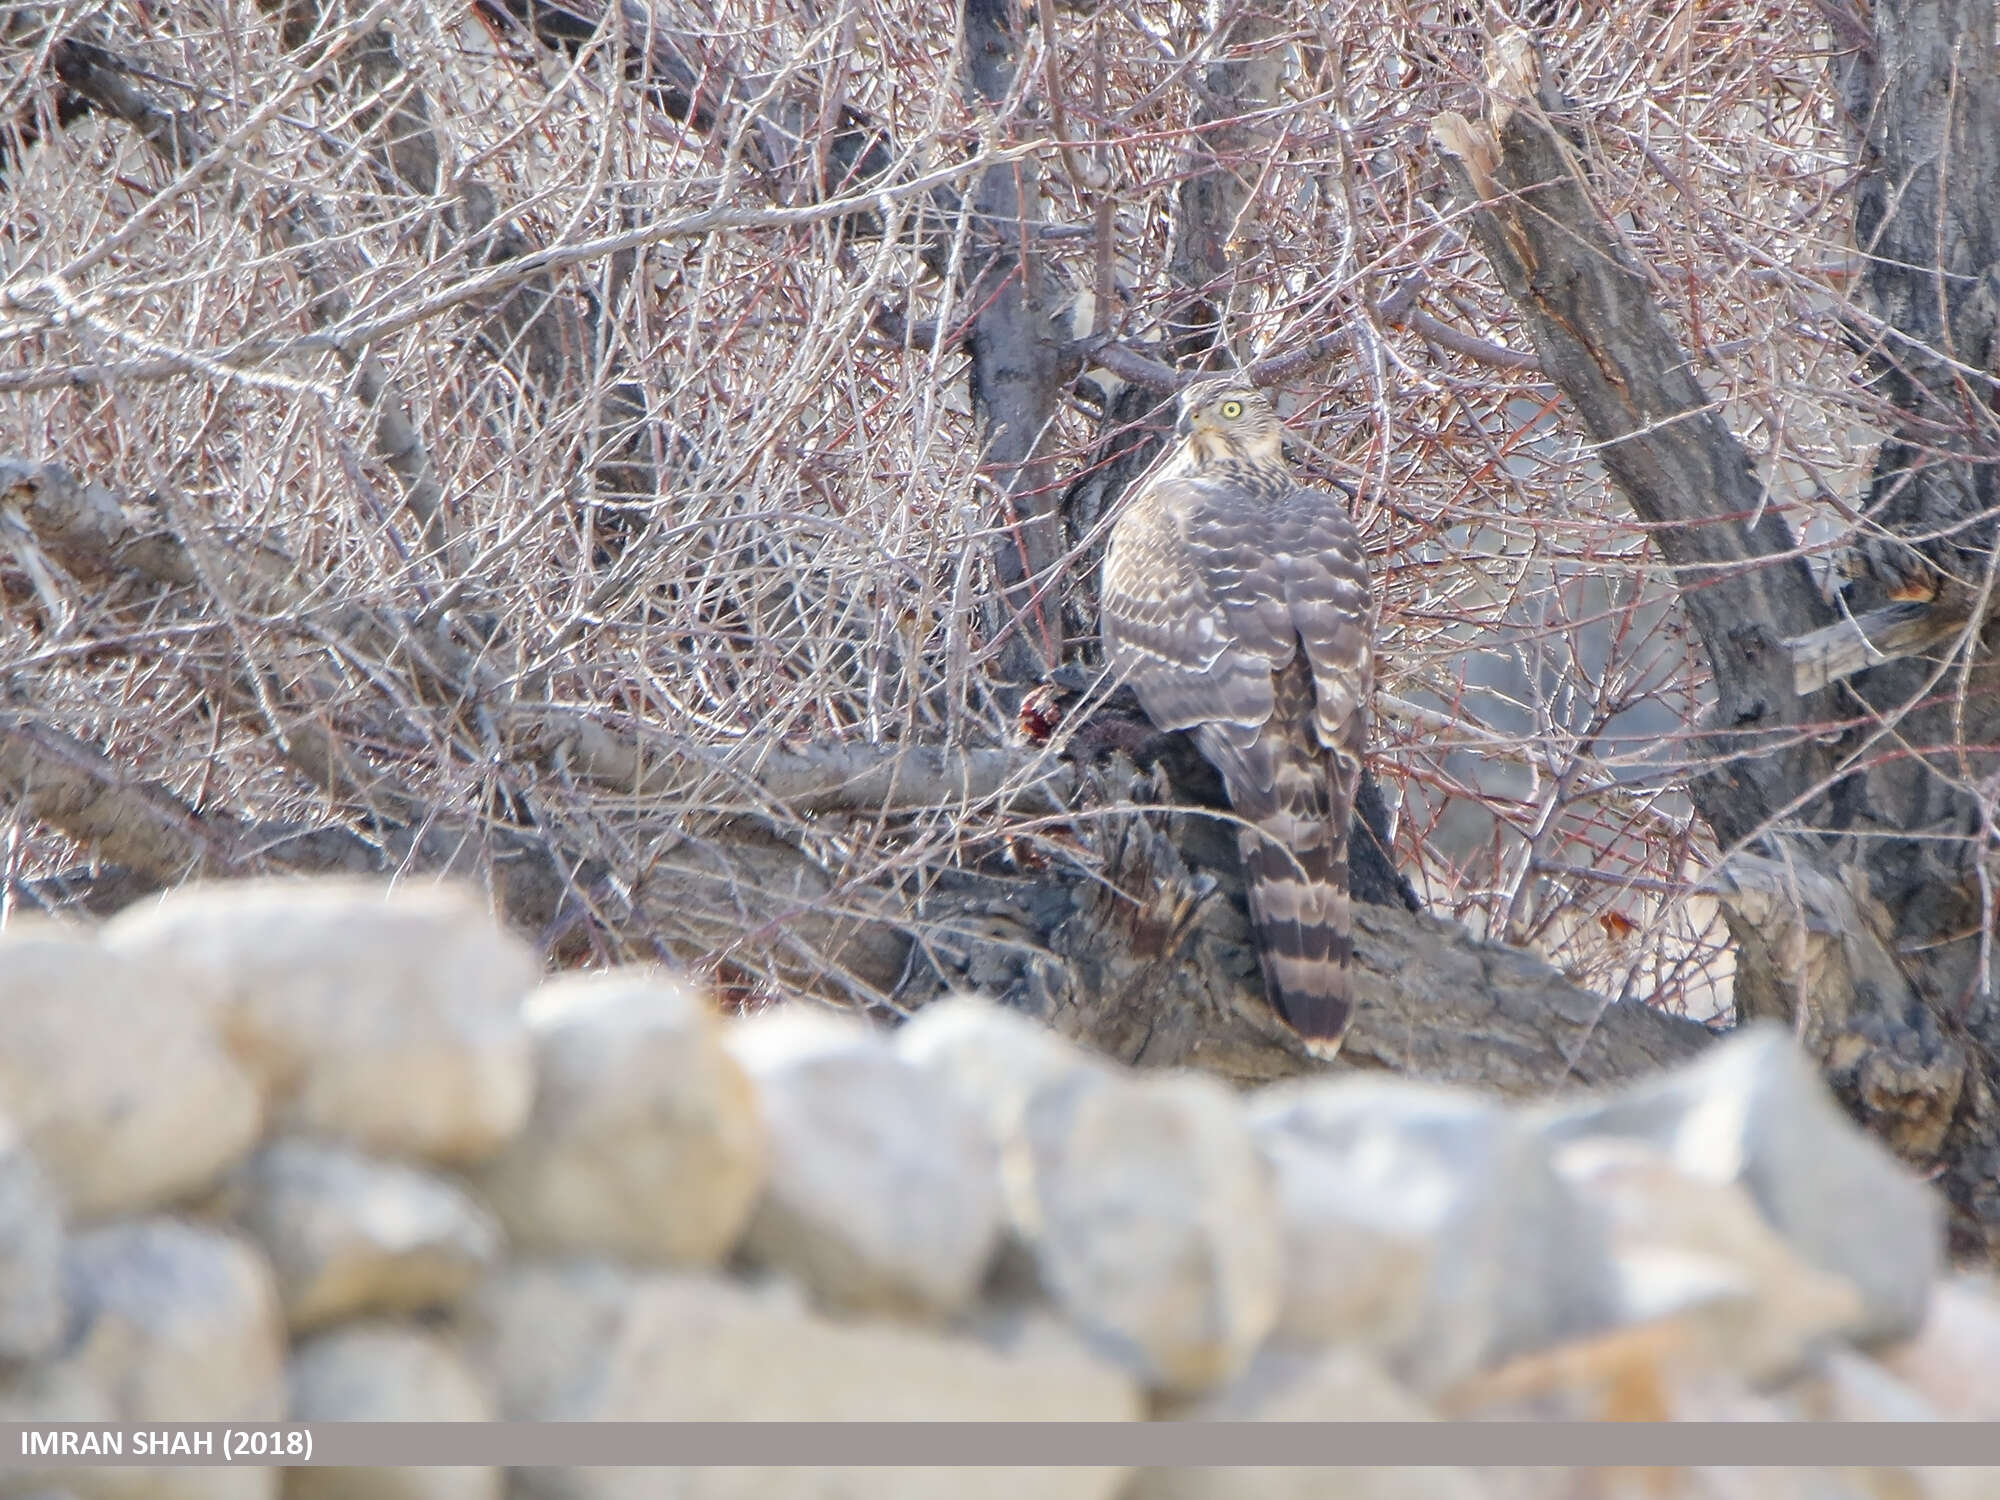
(1012, 1445)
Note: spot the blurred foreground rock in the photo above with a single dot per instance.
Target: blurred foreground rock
(1695, 1248)
(348, 1234)
(169, 1322)
(1325, 1385)
(1154, 1224)
(884, 1190)
(387, 1372)
(33, 1307)
(331, 1152)
(1755, 1113)
(645, 1140)
(584, 1341)
(118, 1076)
(1428, 1225)
(388, 1019)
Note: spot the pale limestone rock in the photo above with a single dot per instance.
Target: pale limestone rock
(171, 1322)
(179, 1322)
(646, 1141)
(116, 1077)
(1361, 1216)
(389, 1018)
(1753, 1483)
(1755, 1111)
(1033, 1333)
(53, 1390)
(1936, 1484)
(1429, 1226)
(1770, 1308)
(32, 1304)
(993, 1058)
(883, 1192)
(1341, 1385)
(387, 1372)
(1954, 1359)
(588, 1341)
(1652, 1372)
(1763, 1483)
(996, 1060)
(348, 1233)
(1307, 1385)
(1153, 1222)
(1849, 1387)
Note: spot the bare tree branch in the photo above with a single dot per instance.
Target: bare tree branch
(1854, 644)
(1601, 339)
(98, 75)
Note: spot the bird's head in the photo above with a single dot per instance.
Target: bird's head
(1229, 418)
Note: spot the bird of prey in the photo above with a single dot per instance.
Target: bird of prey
(1236, 603)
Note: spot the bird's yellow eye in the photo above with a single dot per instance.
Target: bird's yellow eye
(1231, 410)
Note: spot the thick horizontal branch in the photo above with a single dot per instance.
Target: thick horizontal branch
(84, 528)
(60, 781)
(1143, 959)
(834, 776)
(1439, 1003)
(1135, 364)
(94, 537)
(1146, 954)
(1833, 652)
(1436, 1001)
(143, 838)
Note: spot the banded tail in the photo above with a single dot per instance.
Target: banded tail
(1297, 800)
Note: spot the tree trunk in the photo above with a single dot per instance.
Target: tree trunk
(1018, 366)
(1852, 873)
(1213, 217)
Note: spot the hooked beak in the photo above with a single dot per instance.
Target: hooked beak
(1184, 426)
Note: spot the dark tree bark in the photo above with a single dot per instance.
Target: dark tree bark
(1019, 364)
(1851, 876)
(1210, 219)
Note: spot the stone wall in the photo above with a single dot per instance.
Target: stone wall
(310, 1150)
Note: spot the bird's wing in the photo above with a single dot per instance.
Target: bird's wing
(1323, 575)
(1191, 618)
